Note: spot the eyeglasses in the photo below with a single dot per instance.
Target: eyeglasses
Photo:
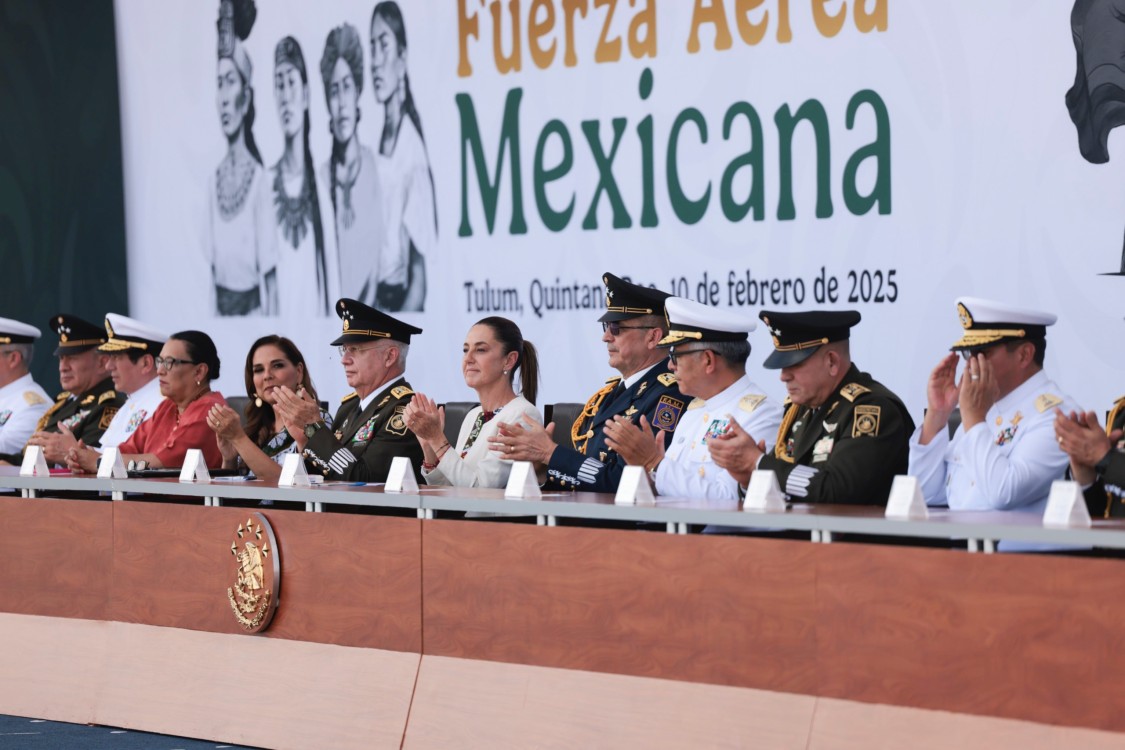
(350, 350)
(673, 355)
(615, 329)
(170, 362)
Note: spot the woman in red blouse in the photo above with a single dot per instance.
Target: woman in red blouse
(185, 368)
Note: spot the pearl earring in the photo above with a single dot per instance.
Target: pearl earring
(258, 401)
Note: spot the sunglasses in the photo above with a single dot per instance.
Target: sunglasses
(615, 329)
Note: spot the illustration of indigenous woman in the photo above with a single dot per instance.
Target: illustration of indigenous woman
(350, 171)
(306, 251)
(242, 240)
(409, 232)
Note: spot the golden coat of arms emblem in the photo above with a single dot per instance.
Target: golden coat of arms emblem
(253, 598)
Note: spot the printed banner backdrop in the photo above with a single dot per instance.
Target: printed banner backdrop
(885, 156)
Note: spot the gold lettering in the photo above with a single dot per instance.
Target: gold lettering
(540, 21)
(875, 20)
(646, 18)
(570, 7)
(467, 26)
(829, 24)
(751, 32)
(608, 50)
(709, 11)
(511, 62)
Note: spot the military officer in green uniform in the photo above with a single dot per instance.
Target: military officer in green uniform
(633, 324)
(1097, 457)
(88, 402)
(844, 436)
(368, 430)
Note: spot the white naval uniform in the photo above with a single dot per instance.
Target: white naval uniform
(22, 403)
(138, 408)
(687, 469)
(1006, 462)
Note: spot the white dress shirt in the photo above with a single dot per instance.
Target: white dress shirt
(138, 408)
(22, 403)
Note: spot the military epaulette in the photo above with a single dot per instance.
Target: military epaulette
(88, 400)
(349, 397)
(666, 378)
(401, 390)
(62, 396)
(31, 398)
(695, 403)
(107, 396)
(1047, 401)
(751, 401)
(614, 380)
(852, 391)
(786, 403)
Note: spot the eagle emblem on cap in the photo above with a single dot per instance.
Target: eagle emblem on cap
(963, 314)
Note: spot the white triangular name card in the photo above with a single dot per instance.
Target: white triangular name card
(764, 493)
(906, 501)
(34, 463)
(111, 465)
(293, 472)
(1066, 508)
(522, 482)
(401, 477)
(634, 488)
(195, 467)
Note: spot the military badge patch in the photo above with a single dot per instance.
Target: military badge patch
(397, 424)
(107, 417)
(866, 421)
(5, 416)
(667, 413)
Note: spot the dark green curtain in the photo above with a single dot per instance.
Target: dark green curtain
(62, 202)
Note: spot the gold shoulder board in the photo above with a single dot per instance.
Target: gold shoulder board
(88, 400)
(613, 381)
(666, 378)
(750, 402)
(62, 396)
(785, 404)
(400, 391)
(852, 391)
(31, 398)
(695, 403)
(1047, 401)
(107, 396)
(349, 397)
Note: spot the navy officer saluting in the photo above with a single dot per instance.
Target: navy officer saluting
(844, 435)
(632, 326)
(370, 430)
(88, 402)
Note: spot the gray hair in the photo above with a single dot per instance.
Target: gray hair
(26, 351)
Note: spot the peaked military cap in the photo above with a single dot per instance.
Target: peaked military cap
(126, 333)
(365, 323)
(15, 332)
(987, 322)
(76, 335)
(625, 300)
(690, 321)
(797, 335)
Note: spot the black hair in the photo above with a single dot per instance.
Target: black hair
(391, 14)
(289, 50)
(343, 42)
(512, 340)
(201, 350)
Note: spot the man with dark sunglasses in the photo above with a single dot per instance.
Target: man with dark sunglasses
(632, 326)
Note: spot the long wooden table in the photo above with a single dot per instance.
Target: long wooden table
(438, 632)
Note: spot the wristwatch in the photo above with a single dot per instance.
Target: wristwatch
(312, 427)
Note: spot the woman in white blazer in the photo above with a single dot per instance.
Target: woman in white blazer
(494, 350)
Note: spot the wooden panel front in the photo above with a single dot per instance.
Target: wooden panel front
(1021, 636)
(348, 579)
(55, 557)
(723, 610)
